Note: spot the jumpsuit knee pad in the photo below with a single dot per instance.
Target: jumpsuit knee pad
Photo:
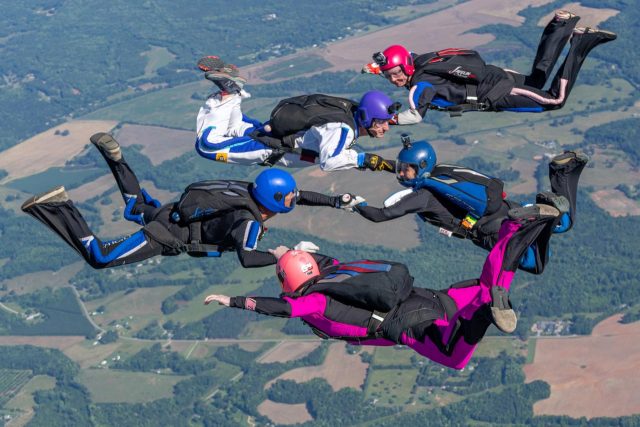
(148, 200)
(564, 225)
(130, 201)
(528, 260)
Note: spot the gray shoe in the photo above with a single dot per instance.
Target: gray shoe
(568, 156)
(225, 81)
(502, 312)
(525, 214)
(108, 146)
(602, 35)
(56, 195)
(559, 202)
(565, 15)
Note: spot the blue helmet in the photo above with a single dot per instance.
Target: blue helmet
(415, 162)
(270, 188)
(375, 105)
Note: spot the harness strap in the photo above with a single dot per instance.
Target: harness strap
(376, 319)
(196, 248)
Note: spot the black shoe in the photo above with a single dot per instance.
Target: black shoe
(225, 81)
(55, 195)
(525, 214)
(502, 312)
(559, 202)
(107, 145)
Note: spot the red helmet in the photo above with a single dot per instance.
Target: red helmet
(395, 56)
(295, 268)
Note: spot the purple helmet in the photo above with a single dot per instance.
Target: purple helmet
(375, 105)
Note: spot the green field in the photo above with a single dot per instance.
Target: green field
(11, 381)
(61, 312)
(393, 356)
(195, 309)
(295, 67)
(23, 401)
(157, 57)
(70, 178)
(111, 386)
(391, 386)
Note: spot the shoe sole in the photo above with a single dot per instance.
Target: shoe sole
(606, 35)
(559, 202)
(45, 197)
(504, 317)
(107, 145)
(533, 212)
(219, 75)
(567, 156)
(209, 63)
(565, 15)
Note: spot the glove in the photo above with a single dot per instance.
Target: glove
(307, 247)
(375, 162)
(371, 68)
(348, 201)
(279, 251)
(393, 121)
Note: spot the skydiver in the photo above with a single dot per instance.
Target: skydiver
(224, 134)
(211, 217)
(434, 195)
(458, 80)
(444, 326)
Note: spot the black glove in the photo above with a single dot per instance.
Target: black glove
(375, 162)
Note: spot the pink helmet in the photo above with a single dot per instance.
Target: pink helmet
(295, 268)
(394, 56)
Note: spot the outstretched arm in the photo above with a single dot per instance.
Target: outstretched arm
(278, 307)
(416, 201)
(345, 201)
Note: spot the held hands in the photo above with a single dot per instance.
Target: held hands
(307, 247)
(348, 201)
(220, 299)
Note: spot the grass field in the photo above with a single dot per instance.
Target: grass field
(112, 386)
(23, 401)
(494, 345)
(157, 57)
(195, 309)
(295, 67)
(11, 381)
(32, 282)
(391, 386)
(138, 308)
(393, 356)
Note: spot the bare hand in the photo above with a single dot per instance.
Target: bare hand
(220, 299)
(279, 251)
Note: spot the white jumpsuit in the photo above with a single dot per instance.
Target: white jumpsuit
(222, 136)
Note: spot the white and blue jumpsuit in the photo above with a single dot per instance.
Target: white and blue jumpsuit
(223, 135)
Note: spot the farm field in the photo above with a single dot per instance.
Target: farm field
(585, 372)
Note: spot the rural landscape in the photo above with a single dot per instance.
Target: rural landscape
(135, 345)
